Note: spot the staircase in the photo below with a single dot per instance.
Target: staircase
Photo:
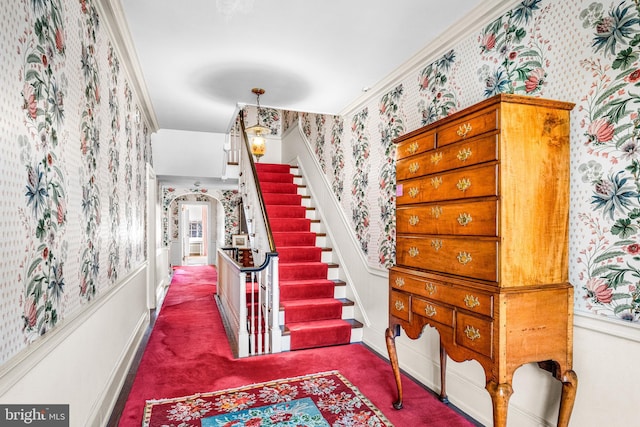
(313, 309)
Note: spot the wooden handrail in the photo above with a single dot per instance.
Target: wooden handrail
(263, 210)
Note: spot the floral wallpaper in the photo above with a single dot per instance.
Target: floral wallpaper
(390, 127)
(90, 149)
(437, 93)
(289, 120)
(610, 274)
(359, 139)
(65, 231)
(41, 107)
(337, 156)
(268, 117)
(582, 51)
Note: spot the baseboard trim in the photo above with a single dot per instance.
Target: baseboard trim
(105, 403)
(22, 363)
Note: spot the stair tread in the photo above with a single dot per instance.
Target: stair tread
(319, 324)
(345, 302)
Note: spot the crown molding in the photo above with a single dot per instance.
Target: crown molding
(481, 15)
(113, 14)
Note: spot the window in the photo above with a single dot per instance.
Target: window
(195, 229)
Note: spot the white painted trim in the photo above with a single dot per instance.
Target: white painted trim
(487, 11)
(116, 23)
(605, 325)
(335, 248)
(106, 401)
(19, 365)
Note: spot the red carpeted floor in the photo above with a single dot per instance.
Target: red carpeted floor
(188, 352)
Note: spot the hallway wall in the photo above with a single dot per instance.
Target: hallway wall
(76, 141)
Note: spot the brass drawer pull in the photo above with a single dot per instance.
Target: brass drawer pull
(399, 282)
(436, 244)
(436, 211)
(413, 167)
(464, 219)
(414, 220)
(436, 158)
(413, 147)
(413, 252)
(436, 182)
(464, 258)
(463, 130)
(429, 310)
(472, 333)
(463, 184)
(399, 305)
(413, 192)
(430, 287)
(471, 301)
(464, 154)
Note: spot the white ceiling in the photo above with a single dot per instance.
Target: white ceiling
(201, 58)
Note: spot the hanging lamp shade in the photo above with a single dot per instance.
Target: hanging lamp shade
(258, 142)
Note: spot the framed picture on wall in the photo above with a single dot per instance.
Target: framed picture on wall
(240, 240)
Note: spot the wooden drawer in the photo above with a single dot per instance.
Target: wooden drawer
(433, 311)
(408, 283)
(465, 153)
(416, 145)
(474, 333)
(474, 258)
(464, 218)
(470, 182)
(399, 305)
(466, 298)
(468, 127)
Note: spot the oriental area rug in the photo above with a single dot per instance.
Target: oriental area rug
(324, 399)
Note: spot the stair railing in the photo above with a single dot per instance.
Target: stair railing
(249, 296)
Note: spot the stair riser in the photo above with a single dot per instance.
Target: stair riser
(311, 313)
(282, 199)
(303, 272)
(278, 188)
(320, 337)
(295, 292)
(289, 239)
(348, 312)
(290, 224)
(357, 335)
(302, 254)
(284, 211)
(279, 178)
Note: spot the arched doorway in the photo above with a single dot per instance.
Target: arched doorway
(196, 223)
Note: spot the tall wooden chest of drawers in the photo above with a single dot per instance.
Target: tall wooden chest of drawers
(482, 243)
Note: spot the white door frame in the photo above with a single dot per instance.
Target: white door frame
(152, 195)
(183, 225)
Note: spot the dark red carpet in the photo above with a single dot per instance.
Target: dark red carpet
(188, 352)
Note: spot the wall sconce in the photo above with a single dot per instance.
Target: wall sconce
(258, 142)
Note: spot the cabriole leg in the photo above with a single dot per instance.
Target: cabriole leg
(500, 394)
(569, 388)
(393, 358)
(443, 374)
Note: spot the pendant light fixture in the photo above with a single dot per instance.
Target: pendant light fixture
(258, 142)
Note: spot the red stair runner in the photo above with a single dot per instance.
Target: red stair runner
(313, 317)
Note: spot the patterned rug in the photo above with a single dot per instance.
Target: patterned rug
(325, 399)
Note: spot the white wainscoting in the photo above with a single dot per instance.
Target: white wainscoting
(83, 362)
